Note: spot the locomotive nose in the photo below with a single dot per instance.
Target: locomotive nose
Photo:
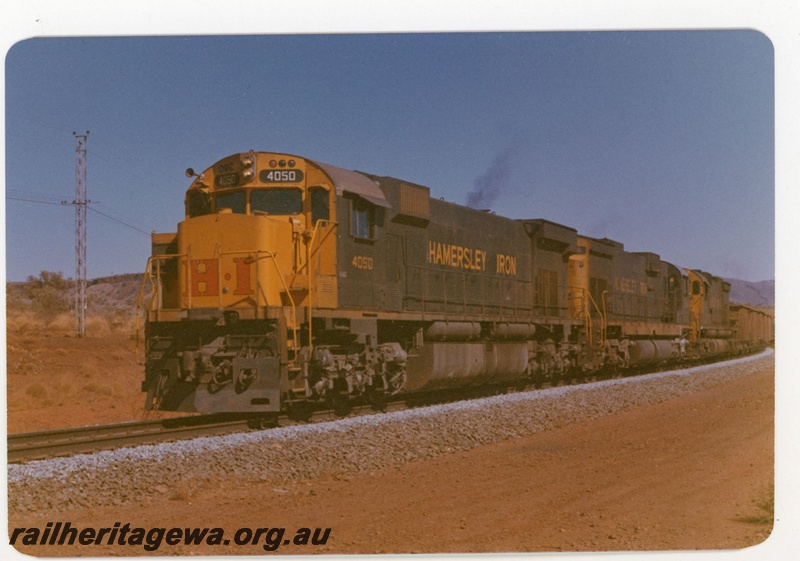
(233, 261)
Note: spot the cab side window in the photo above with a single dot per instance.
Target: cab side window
(362, 219)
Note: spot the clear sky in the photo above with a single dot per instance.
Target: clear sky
(662, 140)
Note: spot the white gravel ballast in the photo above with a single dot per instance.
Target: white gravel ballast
(357, 444)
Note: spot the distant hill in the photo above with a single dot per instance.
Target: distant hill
(117, 294)
(760, 293)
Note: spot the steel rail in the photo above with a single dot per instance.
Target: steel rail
(39, 445)
(24, 447)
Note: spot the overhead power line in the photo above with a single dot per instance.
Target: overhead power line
(35, 195)
(109, 217)
(119, 221)
(32, 201)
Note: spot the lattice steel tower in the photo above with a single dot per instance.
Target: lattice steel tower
(80, 203)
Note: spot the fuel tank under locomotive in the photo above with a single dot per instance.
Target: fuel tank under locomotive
(452, 356)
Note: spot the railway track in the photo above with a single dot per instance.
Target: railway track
(25, 447)
(29, 446)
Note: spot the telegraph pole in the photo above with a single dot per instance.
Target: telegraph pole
(80, 203)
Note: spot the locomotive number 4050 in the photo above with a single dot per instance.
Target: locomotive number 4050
(281, 176)
(360, 262)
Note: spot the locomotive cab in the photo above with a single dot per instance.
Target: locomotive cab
(253, 222)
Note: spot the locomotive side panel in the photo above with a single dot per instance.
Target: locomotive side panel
(592, 276)
(709, 303)
(637, 299)
(674, 288)
(362, 254)
(719, 302)
(551, 247)
(447, 260)
(637, 295)
(472, 263)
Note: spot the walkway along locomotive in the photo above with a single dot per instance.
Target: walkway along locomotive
(292, 283)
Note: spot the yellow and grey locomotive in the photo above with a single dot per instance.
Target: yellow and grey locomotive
(292, 283)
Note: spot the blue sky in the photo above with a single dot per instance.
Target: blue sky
(663, 140)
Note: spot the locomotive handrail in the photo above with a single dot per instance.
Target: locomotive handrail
(586, 296)
(138, 307)
(189, 276)
(309, 247)
(317, 227)
(272, 256)
(603, 317)
(155, 291)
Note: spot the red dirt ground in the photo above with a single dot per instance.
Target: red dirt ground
(56, 380)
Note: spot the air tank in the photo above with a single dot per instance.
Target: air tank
(514, 331)
(716, 346)
(453, 331)
(448, 365)
(648, 351)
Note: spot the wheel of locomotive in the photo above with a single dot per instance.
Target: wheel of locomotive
(377, 398)
(340, 404)
(263, 421)
(338, 399)
(301, 411)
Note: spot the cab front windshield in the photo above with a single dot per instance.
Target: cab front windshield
(276, 201)
(262, 201)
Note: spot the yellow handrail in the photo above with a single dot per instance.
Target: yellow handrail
(272, 256)
(317, 227)
(585, 296)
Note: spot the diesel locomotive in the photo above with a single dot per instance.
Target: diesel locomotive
(293, 284)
